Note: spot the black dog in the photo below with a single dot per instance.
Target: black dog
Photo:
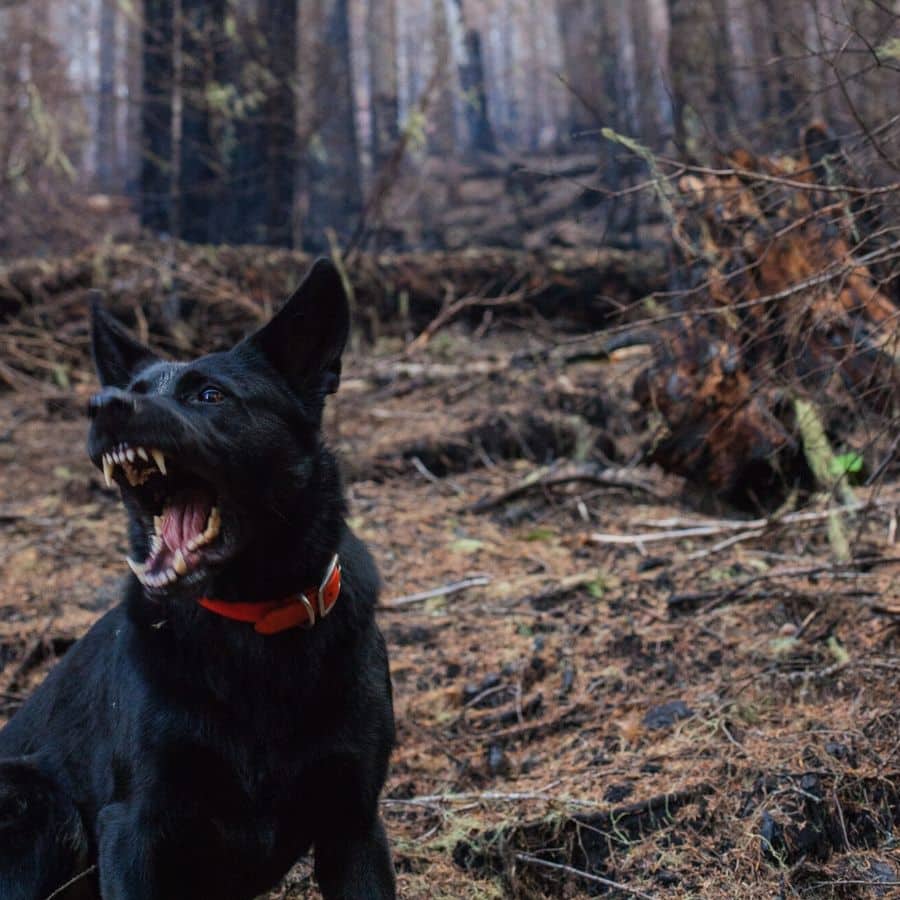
(235, 710)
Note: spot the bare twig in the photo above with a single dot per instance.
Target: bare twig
(71, 881)
(562, 473)
(723, 526)
(452, 588)
(580, 873)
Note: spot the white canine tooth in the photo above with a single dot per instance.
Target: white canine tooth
(142, 453)
(180, 564)
(107, 470)
(130, 454)
(159, 459)
(136, 567)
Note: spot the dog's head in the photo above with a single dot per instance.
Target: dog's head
(219, 460)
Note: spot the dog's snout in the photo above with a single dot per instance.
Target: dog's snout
(112, 400)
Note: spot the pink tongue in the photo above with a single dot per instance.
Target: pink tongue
(184, 519)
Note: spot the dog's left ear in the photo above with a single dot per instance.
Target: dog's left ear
(304, 340)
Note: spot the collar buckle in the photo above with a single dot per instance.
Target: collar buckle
(326, 595)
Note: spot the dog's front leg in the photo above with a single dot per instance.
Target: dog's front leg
(122, 856)
(355, 866)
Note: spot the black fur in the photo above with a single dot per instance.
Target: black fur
(179, 751)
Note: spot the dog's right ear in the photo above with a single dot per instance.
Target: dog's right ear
(117, 355)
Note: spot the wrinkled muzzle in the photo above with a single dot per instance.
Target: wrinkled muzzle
(139, 443)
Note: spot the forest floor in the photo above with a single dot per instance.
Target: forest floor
(706, 716)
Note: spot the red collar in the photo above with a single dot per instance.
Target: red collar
(272, 616)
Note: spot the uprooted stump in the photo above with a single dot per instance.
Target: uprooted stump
(781, 295)
(582, 841)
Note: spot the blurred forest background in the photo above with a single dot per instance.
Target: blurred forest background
(412, 123)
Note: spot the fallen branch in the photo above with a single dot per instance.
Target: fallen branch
(561, 474)
(714, 598)
(452, 588)
(451, 310)
(580, 873)
(723, 526)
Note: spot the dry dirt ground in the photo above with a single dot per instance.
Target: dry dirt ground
(706, 716)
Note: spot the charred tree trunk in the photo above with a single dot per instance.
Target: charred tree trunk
(332, 168)
(481, 132)
(680, 28)
(281, 138)
(586, 59)
(385, 111)
(471, 77)
(106, 117)
(723, 97)
(156, 115)
(443, 131)
(244, 160)
(198, 170)
(134, 69)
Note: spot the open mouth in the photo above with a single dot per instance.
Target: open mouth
(177, 509)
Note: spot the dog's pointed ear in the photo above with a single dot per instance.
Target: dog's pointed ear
(117, 355)
(304, 340)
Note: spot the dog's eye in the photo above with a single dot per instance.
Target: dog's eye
(210, 395)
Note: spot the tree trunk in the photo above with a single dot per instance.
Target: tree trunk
(281, 138)
(106, 118)
(443, 129)
(156, 115)
(591, 51)
(384, 112)
(332, 167)
(134, 72)
(647, 74)
(481, 132)
(198, 169)
(722, 98)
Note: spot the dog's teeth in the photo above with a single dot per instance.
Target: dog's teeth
(159, 459)
(158, 524)
(171, 575)
(213, 525)
(180, 564)
(130, 454)
(108, 470)
(156, 544)
(142, 453)
(136, 567)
